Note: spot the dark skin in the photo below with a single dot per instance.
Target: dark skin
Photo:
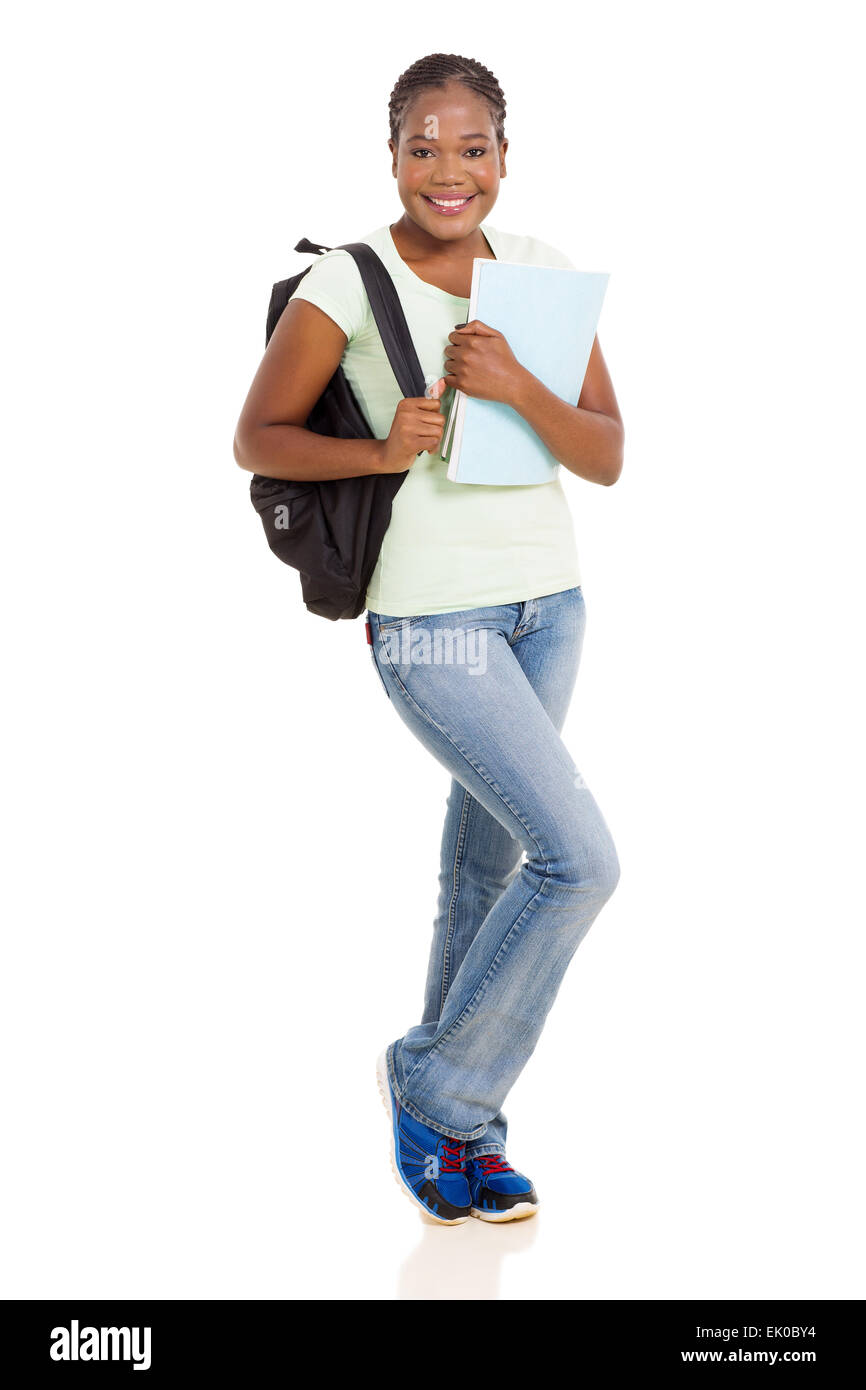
(433, 159)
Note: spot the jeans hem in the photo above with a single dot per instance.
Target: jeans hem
(462, 1134)
(473, 1152)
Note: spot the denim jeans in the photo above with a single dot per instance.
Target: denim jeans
(527, 859)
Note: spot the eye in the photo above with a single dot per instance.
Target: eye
(476, 150)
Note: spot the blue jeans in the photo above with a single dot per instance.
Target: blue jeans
(486, 690)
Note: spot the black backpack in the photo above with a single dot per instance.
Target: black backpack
(332, 531)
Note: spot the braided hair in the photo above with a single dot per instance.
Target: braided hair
(434, 71)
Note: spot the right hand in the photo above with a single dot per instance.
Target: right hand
(417, 426)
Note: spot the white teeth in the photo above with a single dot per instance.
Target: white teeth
(448, 202)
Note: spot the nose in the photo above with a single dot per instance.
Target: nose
(450, 170)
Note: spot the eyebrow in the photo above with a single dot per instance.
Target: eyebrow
(473, 135)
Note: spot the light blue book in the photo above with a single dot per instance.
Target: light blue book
(549, 316)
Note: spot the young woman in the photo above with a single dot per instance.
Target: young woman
(487, 575)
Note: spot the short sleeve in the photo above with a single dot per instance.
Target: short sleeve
(537, 252)
(559, 258)
(333, 283)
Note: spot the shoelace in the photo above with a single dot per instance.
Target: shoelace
(494, 1163)
(452, 1156)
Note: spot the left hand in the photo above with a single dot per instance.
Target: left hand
(480, 363)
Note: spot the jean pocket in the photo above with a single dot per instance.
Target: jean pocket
(390, 624)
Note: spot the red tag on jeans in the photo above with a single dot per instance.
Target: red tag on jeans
(369, 633)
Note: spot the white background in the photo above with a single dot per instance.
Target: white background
(222, 842)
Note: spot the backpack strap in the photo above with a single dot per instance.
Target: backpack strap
(390, 319)
(387, 312)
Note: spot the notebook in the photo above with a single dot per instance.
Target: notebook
(549, 316)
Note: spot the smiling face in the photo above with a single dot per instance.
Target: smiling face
(448, 163)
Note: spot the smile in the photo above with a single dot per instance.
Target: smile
(449, 206)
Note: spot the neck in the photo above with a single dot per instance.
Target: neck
(414, 244)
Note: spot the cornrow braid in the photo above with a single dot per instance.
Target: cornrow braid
(434, 71)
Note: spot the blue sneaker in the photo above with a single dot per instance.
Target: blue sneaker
(498, 1192)
(430, 1168)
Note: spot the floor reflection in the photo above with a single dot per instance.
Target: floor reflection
(463, 1262)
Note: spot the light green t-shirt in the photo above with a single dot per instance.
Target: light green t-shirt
(448, 545)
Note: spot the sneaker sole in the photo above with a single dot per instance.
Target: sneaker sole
(384, 1086)
(517, 1213)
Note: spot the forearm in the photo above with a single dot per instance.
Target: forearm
(298, 454)
(583, 441)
